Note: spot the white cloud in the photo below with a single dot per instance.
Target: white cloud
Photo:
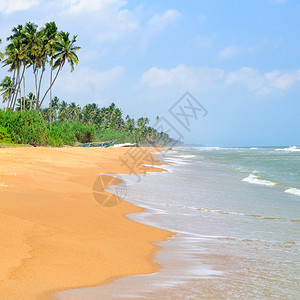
(246, 77)
(263, 83)
(206, 78)
(8, 6)
(82, 6)
(182, 76)
(283, 80)
(117, 25)
(160, 21)
(229, 52)
(112, 21)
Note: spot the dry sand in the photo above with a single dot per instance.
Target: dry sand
(54, 235)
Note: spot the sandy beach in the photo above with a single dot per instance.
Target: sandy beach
(54, 234)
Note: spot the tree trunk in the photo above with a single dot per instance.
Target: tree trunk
(24, 103)
(35, 86)
(15, 95)
(19, 88)
(50, 98)
(11, 93)
(59, 69)
(40, 84)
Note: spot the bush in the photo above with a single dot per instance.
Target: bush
(112, 134)
(68, 133)
(84, 133)
(27, 127)
(4, 136)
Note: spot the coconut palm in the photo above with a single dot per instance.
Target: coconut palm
(23, 104)
(91, 114)
(32, 100)
(50, 33)
(63, 110)
(7, 87)
(32, 49)
(129, 124)
(35, 44)
(1, 54)
(16, 60)
(74, 111)
(65, 50)
(54, 107)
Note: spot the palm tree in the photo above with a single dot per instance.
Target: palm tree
(1, 54)
(46, 114)
(65, 50)
(91, 114)
(63, 110)
(16, 58)
(54, 107)
(74, 111)
(50, 32)
(31, 43)
(118, 120)
(23, 104)
(32, 100)
(7, 87)
(129, 124)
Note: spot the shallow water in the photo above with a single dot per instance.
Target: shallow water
(236, 212)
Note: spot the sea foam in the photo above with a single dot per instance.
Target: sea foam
(289, 149)
(187, 156)
(256, 180)
(293, 191)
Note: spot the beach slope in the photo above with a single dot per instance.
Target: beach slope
(54, 234)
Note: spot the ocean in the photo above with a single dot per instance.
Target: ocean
(236, 217)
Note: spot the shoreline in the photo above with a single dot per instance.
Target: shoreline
(68, 240)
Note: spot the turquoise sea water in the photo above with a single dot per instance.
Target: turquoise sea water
(236, 215)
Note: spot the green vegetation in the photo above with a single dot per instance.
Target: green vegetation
(25, 120)
(30, 48)
(4, 136)
(71, 124)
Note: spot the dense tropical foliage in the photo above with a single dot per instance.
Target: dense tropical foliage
(72, 124)
(25, 118)
(38, 50)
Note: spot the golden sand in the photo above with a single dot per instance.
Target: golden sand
(54, 235)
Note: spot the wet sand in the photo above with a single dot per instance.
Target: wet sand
(55, 235)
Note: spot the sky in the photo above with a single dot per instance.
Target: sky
(216, 72)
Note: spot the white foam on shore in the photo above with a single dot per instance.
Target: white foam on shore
(253, 179)
(175, 161)
(289, 149)
(293, 191)
(219, 148)
(186, 156)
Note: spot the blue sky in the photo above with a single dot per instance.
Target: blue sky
(238, 58)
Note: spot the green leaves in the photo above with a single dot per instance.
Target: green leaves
(37, 49)
(4, 136)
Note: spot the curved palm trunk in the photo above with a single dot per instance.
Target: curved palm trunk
(15, 95)
(35, 85)
(11, 93)
(40, 84)
(59, 69)
(24, 99)
(19, 90)
(50, 99)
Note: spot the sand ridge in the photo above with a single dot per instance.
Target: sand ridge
(54, 235)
